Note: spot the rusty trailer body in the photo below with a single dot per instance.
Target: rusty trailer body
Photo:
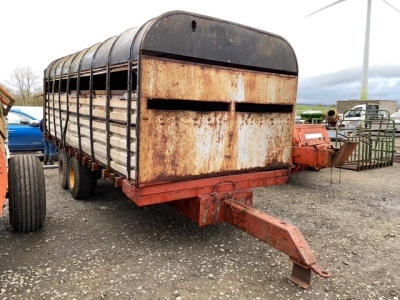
(186, 109)
(7, 102)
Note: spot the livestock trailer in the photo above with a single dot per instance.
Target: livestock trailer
(187, 110)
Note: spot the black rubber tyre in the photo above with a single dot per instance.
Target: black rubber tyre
(80, 179)
(63, 160)
(95, 176)
(26, 193)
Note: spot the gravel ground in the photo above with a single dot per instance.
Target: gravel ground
(108, 248)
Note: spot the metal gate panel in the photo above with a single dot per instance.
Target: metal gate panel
(376, 145)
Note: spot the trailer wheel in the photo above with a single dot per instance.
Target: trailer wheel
(26, 193)
(63, 159)
(80, 180)
(95, 176)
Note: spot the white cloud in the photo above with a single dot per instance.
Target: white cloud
(384, 84)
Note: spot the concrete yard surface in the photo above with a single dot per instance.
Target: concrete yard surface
(108, 248)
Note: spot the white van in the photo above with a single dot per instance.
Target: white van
(351, 119)
(363, 112)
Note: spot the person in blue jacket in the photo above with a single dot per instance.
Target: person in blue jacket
(49, 147)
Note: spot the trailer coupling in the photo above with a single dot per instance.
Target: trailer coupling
(236, 209)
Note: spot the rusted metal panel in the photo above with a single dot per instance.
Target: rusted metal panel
(3, 172)
(6, 102)
(3, 150)
(171, 79)
(262, 141)
(184, 142)
(3, 125)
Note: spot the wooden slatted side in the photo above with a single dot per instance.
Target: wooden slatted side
(118, 132)
(118, 107)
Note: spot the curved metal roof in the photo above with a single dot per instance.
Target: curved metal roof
(187, 35)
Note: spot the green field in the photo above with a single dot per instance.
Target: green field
(302, 107)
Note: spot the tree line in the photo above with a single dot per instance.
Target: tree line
(25, 86)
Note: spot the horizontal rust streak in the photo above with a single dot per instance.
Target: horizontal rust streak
(162, 178)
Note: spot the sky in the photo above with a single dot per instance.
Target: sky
(328, 45)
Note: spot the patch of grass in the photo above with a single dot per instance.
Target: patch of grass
(302, 107)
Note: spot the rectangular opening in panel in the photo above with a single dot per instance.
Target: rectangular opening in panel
(188, 105)
(263, 108)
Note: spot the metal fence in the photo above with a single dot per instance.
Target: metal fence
(376, 145)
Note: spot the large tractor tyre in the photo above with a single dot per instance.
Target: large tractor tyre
(26, 193)
(63, 160)
(80, 179)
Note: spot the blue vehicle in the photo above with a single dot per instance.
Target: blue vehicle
(24, 133)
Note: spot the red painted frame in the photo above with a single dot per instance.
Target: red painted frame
(167, 192)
